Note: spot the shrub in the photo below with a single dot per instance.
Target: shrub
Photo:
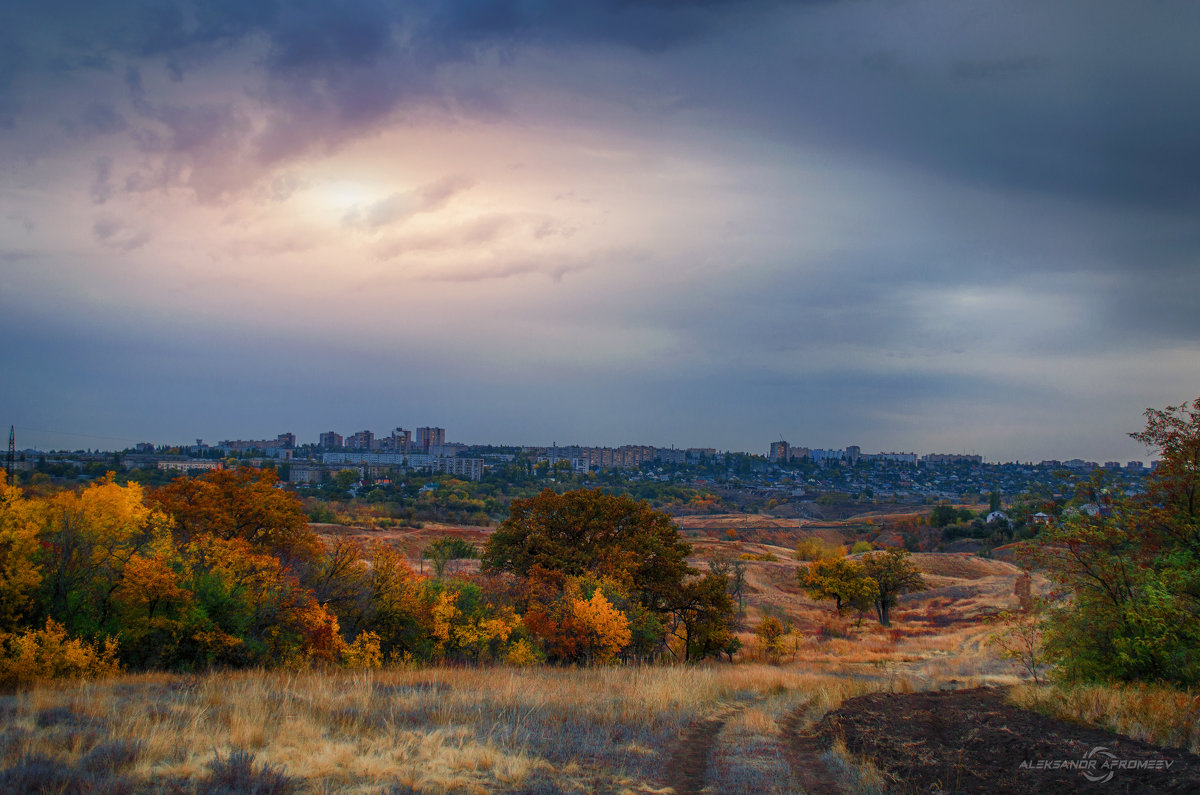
(861, 547)
(48, 653)
(112, 756)
(364, 652)
(766, 557)
(322, 513)
(770, 632)
(237, 773)
(523, 653)
(814, 548)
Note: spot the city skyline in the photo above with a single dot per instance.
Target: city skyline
(918, 225)
(382, 442)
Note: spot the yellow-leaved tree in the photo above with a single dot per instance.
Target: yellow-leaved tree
(603, 629)
(20, 522)
(91, 536)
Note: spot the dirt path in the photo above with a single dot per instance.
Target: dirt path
(803, 750)
(687, 770)
(975, 741)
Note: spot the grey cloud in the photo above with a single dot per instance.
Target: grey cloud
(399, 207)
(554, 269)
(477, 232)
(312, 39)
(118, 235)
(102, 188)
(337, 70)
(15, 255)
(98, 118)
(201, 147)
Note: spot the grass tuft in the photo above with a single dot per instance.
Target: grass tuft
(236, 774)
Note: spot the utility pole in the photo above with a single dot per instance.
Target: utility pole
(12, 454)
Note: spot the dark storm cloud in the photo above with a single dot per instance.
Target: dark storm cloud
(334, 69)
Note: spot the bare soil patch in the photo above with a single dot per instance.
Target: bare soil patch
(974, 741)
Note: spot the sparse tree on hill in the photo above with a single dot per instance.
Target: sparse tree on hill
(842, 580)
(735, 570)
(894, 574)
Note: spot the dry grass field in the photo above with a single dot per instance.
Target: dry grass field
(434, 730)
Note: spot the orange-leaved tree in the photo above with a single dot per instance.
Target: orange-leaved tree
(240, 503)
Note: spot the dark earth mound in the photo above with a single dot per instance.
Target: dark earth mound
(974, 741)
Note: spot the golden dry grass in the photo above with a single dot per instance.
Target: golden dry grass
(434, 730)
(1159, 715)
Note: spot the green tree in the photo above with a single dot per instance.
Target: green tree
(1133, 569)
(843, 580)
(943, 514)
(894, 574)
(734, 570)
(446, 549)
(700, 612)
(345, 478)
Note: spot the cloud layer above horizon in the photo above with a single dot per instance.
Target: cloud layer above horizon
(901, 224)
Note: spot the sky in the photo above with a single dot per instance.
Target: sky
(903, 224)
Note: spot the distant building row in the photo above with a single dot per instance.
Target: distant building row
(582, 459)
(782, 451)
(399, 440)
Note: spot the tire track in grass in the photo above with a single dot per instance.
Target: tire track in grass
(804, 751)
(688, 767)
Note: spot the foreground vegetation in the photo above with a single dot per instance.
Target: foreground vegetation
(435, 730)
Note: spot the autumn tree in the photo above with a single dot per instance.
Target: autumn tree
(590, 532)
(894, 574)
(89, 538)
(843, 580)
(400, 606)
(239, 503)
(602, 628)
(21, 520)
(770, 632)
